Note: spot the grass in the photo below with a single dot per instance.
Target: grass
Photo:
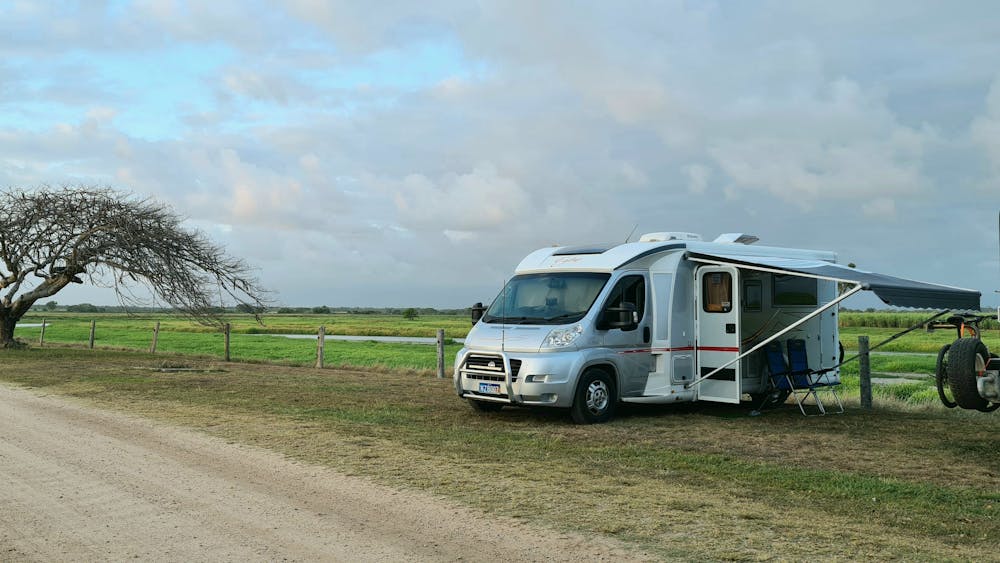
(249, 341)
(248, 344)
(690, 482)
(896, 319)
(352, 325)
(919, 341)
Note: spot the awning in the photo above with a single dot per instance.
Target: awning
(894, 291)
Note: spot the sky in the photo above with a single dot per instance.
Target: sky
(400, 153)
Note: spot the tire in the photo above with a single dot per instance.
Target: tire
(485, 406)
(966, 358)
(770, 399)
(992, 406)
(941, 377)
(595, 398)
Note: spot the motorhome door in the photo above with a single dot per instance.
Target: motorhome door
(718, 333)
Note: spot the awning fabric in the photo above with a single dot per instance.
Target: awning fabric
(894, 291)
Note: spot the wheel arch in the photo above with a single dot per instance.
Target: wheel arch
(607, 366)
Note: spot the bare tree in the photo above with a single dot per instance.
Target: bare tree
(50, 238)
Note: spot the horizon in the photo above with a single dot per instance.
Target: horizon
(412, 154)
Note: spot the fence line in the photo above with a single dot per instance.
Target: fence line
(156, 338)
(227, 349)
(320, 345)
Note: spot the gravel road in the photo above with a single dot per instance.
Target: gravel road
(79, 483)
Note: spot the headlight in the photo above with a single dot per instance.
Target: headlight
(562, 337)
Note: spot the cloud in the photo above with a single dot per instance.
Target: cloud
(477, 201)
(380, 148)
(881, 208)
(985, 130)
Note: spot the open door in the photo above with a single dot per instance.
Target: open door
(718, 333)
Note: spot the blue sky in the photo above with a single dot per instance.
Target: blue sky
(400, 153)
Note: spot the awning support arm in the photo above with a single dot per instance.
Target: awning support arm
(891, 338)
(857, 287)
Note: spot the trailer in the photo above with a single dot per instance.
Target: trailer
(671, 318)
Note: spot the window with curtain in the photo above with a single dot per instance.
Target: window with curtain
(717, 292)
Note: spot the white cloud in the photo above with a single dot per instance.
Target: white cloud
(537, 124)
(480, 200)
(880, 208)
(985, 129)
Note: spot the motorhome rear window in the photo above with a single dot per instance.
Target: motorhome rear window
(794, 291)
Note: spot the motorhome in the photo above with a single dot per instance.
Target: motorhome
(669, 318)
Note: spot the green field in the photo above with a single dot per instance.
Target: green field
(250, 342)
(691, 482)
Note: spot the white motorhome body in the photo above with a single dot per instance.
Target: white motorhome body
(669, 318)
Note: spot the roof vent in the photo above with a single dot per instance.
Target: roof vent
(663, 237)
(736, 238)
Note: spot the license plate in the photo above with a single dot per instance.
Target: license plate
(489, 388)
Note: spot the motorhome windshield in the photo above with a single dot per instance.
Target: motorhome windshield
(548, 299)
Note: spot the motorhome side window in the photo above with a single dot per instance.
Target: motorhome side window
(717, 292)
(630, 289)
(794, 291)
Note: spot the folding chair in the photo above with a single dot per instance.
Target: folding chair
(777, 367)
(805, 382)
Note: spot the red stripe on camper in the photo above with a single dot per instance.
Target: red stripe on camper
(659, 350)
(718, 349)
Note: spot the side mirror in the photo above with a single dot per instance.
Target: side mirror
(477, 312)
(624, 317)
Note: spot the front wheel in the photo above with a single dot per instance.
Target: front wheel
(595, 398)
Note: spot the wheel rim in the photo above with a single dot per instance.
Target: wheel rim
(980, 365)
(597, 397)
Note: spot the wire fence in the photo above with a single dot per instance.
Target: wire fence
(326, 350)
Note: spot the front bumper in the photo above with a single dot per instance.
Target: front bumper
(543, 379)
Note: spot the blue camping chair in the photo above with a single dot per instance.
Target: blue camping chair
(796, 377)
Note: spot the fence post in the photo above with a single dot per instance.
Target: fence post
(93, 327)
(440, 352)
(227, 329)
(865, 373)
(156, 338)
(320, 343)
(41, 337)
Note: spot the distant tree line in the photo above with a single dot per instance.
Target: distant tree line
(408, 312)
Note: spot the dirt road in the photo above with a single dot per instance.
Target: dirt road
(78, 483)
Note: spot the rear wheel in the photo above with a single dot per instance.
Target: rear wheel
(485, 406)
(595, 398)
(966, 361)
(993, 406)
(941, 378)
(769, 399)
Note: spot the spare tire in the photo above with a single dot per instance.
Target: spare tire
(941, 377)
(967, 360)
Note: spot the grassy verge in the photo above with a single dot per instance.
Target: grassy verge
(119, 333)
(689, 482)
(353, 325)
(916, 341)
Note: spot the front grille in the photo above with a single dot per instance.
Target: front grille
(483, 367)
(515, 368)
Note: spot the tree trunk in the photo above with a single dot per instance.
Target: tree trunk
(7, 323)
